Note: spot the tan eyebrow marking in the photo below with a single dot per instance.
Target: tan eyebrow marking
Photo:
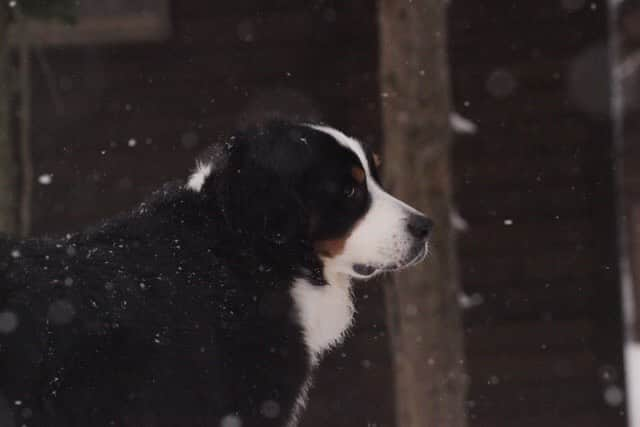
(358, 174)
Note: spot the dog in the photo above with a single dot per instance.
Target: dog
(214, 300)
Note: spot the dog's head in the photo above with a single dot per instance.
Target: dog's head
(313, 185)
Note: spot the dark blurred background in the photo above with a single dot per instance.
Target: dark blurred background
(120, 108)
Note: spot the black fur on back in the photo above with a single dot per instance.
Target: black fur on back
(179, 309)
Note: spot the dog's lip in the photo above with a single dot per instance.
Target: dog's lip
(367, 270)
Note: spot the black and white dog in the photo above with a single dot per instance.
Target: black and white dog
(214, 300)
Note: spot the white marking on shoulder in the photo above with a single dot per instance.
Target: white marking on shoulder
(324, 312)
(197, 179)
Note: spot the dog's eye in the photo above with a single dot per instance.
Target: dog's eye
(349, 191)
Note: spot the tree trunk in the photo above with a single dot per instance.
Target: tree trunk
(8, 167)
(424, 317)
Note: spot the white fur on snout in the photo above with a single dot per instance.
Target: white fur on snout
(381, 238)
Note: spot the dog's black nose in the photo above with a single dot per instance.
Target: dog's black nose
(419, 226)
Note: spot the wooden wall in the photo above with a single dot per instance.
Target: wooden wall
(544, 345)
(535, 185)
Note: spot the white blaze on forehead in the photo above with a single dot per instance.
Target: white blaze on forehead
(348, 142)
(197, 179)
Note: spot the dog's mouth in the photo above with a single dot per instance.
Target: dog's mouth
(365, 271)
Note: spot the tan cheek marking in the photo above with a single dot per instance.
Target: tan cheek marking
(358, 174)
(334, 247)
(331, 248)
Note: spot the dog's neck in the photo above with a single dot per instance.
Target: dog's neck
(325, 312)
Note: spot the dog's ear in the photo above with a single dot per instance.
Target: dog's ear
(260, 187)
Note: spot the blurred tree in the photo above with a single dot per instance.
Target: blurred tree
(38, 9)
(8, 168)
(424, 316)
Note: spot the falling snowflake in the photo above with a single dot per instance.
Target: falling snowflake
(462, 125)
(501, 83)
(613, 395)
(45, 178)
(469, 301)
(8, 322)
(231, 421)
(270, 409)
(457, 221)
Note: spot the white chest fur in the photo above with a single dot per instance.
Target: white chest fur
(325, 312)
